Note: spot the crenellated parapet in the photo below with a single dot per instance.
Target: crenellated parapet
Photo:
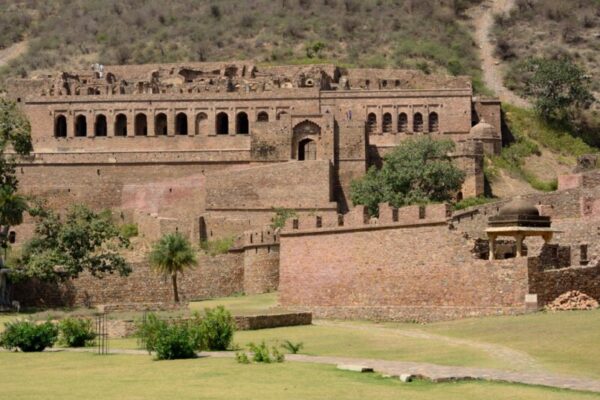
(358, 218)
(266, 236)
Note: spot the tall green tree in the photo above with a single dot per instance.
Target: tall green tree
(63, 247)
(561, 88)
(417, 171)
(15, 141)
(170, 256)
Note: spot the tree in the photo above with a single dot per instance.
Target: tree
(171, 255)
(417, 171)
(15, 141)
(560, 88)
(60, 250)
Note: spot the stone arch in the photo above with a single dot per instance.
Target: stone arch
(434, 122)
(121, 125)
(222, 123)
(181, 124)
(418, 122)
(201, 124)
(280, 114)
(262, 116)
(307, 149)
(141, 125)
(402, 122)
(80, 126)
(242, 126)
(60, 126)
(371, 123)
(305, 138)
(100, 126)
(160, 124)
(387, 122)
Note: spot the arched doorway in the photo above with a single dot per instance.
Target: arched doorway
(141, 125)
(307, 150)
(80, 126)
(60, 127)
(160, 124)
(181, 124)
(241, 123)
(100, 126)
(222, 124)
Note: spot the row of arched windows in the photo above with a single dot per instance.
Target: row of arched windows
(140, 124)
(387, 124)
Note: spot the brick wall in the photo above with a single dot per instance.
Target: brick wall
(422, 272)
(213, 277)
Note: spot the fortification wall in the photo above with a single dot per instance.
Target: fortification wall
(549, 284)
(406, 270)
(261, 261)
(217, 276)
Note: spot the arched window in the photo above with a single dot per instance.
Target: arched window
(121, 125)
(402, 122)
(387, 122)
(434, 122)
(222, 124)
(160, 124)
(280, 114)
(181, 124)
(141, 125)
(262, 116)
(418, 122)
(371, 123)
(241, 123)
(80, 126)
(201, 124)
(307, 150)
(100, 125)
(60, 126)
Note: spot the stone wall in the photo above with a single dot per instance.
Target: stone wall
(548, 284)
(422, 271)
(217, 276)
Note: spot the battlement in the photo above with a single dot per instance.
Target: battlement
(266, 236)
(358, 218)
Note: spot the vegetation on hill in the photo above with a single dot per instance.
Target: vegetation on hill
(430, 35)
(550, 29)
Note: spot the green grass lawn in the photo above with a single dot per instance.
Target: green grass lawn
(567, 342)
(65, 376)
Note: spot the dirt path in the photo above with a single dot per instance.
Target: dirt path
(493, 70)
(516, 360)
(12, 52)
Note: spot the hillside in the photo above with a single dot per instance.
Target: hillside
(550, 28)
(429, 35)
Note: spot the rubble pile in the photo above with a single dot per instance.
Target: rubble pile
(573, 300)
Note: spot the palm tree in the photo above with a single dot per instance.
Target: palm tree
(171, 255)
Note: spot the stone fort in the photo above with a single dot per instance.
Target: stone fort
(210, 149)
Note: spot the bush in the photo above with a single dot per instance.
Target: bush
(28, 336)
(217, 246)
(76, 332)
(129, 230)
(261, 353)
(217, 328)
(471, 201)
(176, 341)
(242, 358)
(172, 340)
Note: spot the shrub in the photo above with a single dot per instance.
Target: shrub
(471, 201)
(242, 357)
(176, 341)
(292, 347)
(217, 246)
(217, 328)
(172, 340)
(261, 353)
(76, 332)
(281, 216)
(129, 230)
(28, 336)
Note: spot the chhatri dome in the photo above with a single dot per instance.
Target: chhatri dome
(483, 130)
(519, 206)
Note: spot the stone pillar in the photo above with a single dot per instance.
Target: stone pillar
(70, 125)
(130, 123)
(492, 246)
(150, 122)
(110, 124)
(191, 121)
(409, 121)
(232, 122)
(171, 122)
(394, 120)
(519, 239)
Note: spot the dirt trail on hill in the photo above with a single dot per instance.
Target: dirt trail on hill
(12, 52)
(493, 70)
(516, 360)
